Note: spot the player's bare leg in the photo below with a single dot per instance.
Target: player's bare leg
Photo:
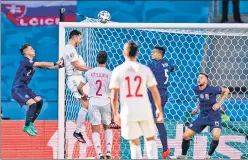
(29, 117)
(97, 141)
(81, 118)
(152, 150)
(216, 132)
(108, 139)
(186, 143)
(135, 149)
(39, 103)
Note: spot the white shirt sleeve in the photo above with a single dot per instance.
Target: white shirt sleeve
(73, 56)
(151, 81)
(114, 81)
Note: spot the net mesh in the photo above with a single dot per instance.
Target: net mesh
(221, 53)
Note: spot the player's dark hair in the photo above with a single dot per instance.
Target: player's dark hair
(204, 74)
(102, 57)
(24, 46)
(74, 33)
(133, 49)
(161, 49)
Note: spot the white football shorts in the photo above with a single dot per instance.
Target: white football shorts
(72, 84)
(134, 129)
(99, 114)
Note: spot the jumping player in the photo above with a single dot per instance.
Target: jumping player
(161, 69)
(24, 95)
(74, 65)
(132, 79)
(209, 114)
(99, 109)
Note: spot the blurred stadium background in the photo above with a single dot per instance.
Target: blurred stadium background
(36, 23)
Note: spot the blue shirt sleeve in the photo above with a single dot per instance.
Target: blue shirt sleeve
(28, 63)
(217, 90)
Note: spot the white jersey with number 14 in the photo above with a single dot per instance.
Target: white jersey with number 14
(133, 79)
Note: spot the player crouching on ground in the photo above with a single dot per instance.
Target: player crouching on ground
(99, 109)
(209, 114)
(24, 95)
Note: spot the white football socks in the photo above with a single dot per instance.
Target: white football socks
(97, 143)
(108, 138)
(81, 118)
(152, 150)
(135, 152)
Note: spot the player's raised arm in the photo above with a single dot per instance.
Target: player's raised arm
(224, 94)
(48, 65)
(29, 53)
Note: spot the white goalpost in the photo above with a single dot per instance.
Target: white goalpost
(220, 50)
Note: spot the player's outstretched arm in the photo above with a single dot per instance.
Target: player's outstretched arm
(224, 94)
(48, 65)
(79, 66)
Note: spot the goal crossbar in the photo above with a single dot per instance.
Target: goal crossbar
(153, 26)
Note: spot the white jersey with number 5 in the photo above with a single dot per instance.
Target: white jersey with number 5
(98, 80)
(70, 55)
(133, 79)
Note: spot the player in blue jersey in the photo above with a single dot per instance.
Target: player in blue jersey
(209, 114)
(20, 91)
(161, 69)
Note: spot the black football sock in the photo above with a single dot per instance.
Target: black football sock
(213, 146)
(30, 114)
(185, 146)
(38, 109)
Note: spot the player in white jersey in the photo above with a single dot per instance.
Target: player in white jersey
(99, 108)
(74, 66)
(132, 79)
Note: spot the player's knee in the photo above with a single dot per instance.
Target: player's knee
(37, 98)
(135, 142)
(216, 134)
(106, 126)
(150, 138)
(187, 136)
(95, 128)
(30, 102)
(216, 137)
